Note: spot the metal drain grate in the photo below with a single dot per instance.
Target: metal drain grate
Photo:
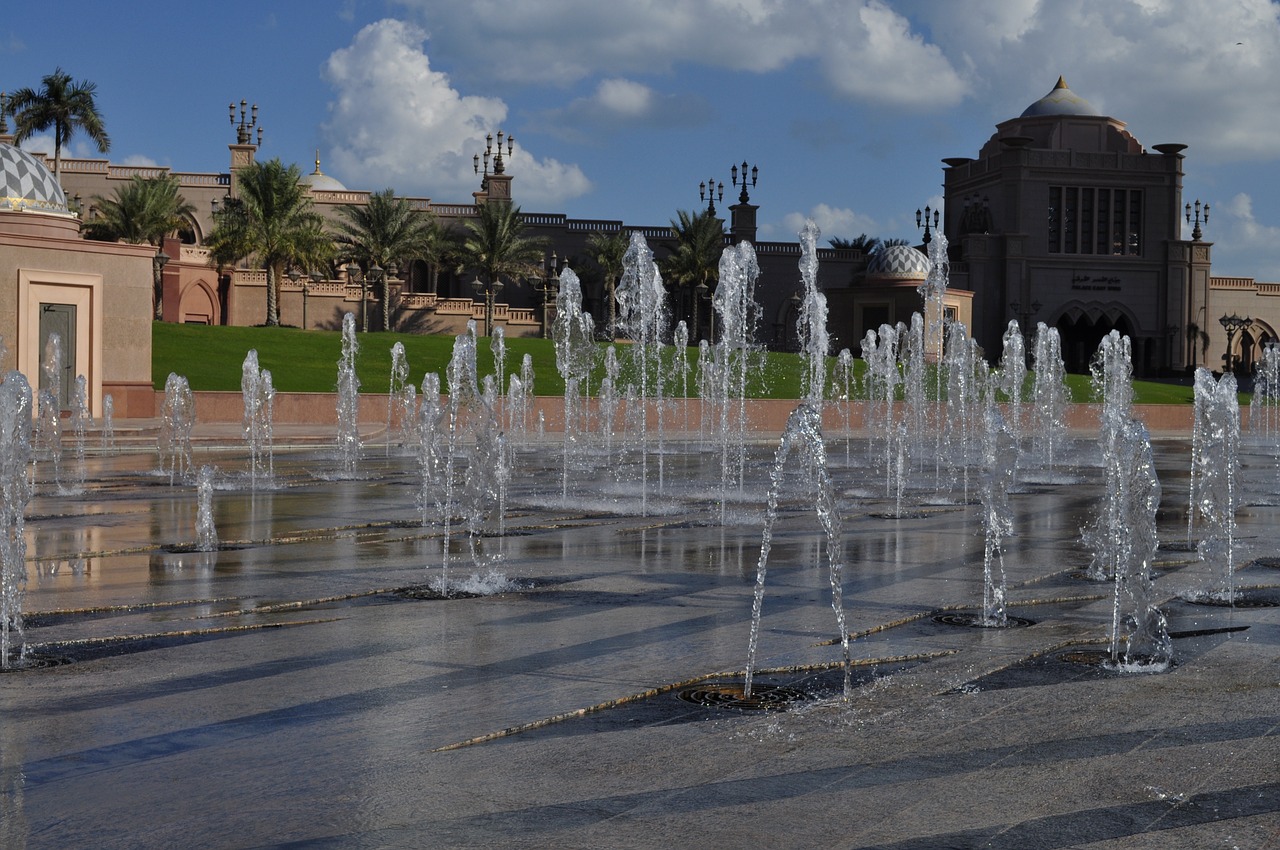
(37, 661)
(729, 695)
(977, 621)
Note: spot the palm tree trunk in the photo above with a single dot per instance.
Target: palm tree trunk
(273, 297)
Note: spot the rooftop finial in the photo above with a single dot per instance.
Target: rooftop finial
(317, 171)
(1062, 83)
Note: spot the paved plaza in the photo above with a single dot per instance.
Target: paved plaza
(300, 687)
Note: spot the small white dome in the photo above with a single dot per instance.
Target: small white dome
(321, 182)
(28, 185)
(901, 262)
(1060, 101)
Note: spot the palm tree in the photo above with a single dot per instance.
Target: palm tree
(862, 242)
(495, 245)
(385, 232)
(608, 249)
(143, 211)
(696, 259)
(274, 223)
(65, 106)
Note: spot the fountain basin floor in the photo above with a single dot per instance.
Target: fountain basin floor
(284, 690)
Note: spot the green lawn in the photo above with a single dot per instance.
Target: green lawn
(211, 357)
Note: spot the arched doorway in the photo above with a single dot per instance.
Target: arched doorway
(1081, 335)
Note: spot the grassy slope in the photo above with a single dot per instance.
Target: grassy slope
(211, 359)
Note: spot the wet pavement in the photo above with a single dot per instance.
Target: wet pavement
(300, 687)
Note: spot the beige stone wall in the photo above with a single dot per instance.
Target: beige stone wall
(42, 257)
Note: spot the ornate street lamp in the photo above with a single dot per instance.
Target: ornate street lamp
(707, 192)
(496, 157)
(375, 274)
(293, 274)
(1232, 325)
(354, 276)
(923, 221)
(1196, 232)
(549, 287)
(489, 290)
(743, 197)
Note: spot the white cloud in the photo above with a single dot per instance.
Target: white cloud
(396, 121)
(834, 222)
(1236, 233)
(865, 50)
(1173, 70)
(620, 104)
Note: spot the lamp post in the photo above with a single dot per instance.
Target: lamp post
(1196, 232)
(293, 274)
(743, 197)
(923, 221)
(354, 276)
(374, 276)
(549, 287)
(496, 157)
(1232, 325)
(489, 290)
(699, 293)
(707, 192)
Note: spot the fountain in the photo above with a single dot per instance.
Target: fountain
(733, 355)
(258, 395)
(401, 399)
(642, 317)
(108, 435)
(206, 533)
(1213, 491)
(802, 435)
(48, 438)
(1000, 455)
(15, 491)
(177, 417)
(811, 323)
(1049, 398)
(574, 335)
(81, 421)
(1140, 639)
(348, 400)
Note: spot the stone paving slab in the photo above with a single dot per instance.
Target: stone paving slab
(277, 693)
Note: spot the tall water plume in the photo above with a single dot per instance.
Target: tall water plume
(803, 437)
(177, 417)
(883, 377)
(206, 531)
(1049, 397)
(258, 394)
(1127, 516)
(735, 304)
(1000, 463)
(15, 492)
(399, 391)
(574, 334)
(348, 436)
(811, 323)
(1215, 467)
(1112, 373)
(1012, 378)
(81, 421)
(642, 317)
(48, 437)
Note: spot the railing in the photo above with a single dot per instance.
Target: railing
(543, 219)
(455, 210)
(1231, 283)
(331, 196)
(602, 225)
(194, 255)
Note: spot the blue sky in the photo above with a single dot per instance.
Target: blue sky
(620, 110)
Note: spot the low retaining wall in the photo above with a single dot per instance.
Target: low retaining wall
(763, 415)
